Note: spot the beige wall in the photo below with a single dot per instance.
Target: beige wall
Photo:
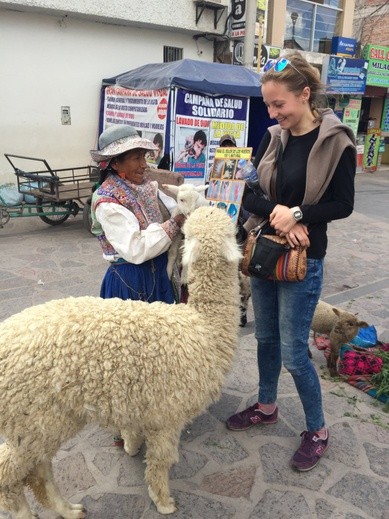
(48, 61)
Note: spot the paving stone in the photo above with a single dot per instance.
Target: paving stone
(131, 471)
(244, 374)
(99, 437)
(105, 461)
(281, 505)
(365, 492)
(327, 510)
(225, 407)
(203, 424)
(378, 459)
(189, 464)
(276, 469)
(73, 475)
(291, 410)
(344, 447)
(224, 449)
(232, 483)
(115, 506)
(192, 506)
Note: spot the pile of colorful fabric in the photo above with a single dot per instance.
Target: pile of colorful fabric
(359, 360)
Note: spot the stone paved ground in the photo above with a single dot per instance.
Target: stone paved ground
(222, 474)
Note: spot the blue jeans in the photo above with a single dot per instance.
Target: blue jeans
(283, 314)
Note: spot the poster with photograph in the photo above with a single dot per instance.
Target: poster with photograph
(226, 184)
(145, 110)
(199, 122)
(192, 148)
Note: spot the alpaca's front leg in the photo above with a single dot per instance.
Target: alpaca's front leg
(162, 452)
(172, 255)
(41, 481)
(12, 474)
(133, 441)
(13, 499)
(332, 360)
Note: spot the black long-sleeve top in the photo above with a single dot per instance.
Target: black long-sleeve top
(337, 201)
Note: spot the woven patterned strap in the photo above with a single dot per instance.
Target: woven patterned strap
(291, 266)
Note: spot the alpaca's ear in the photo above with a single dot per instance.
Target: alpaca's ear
(336, 311)
(230, 250)
(170, 187)
(201, 189)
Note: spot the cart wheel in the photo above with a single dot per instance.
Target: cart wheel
(4, 217)
(86, 215)
(51, 207)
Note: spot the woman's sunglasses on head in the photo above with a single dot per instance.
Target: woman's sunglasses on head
(280, 64)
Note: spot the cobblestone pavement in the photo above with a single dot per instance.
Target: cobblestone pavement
(222, 474)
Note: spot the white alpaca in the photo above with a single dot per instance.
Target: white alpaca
(143, 369)
(189, 198)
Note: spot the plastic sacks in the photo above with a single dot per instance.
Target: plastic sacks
(9, 195)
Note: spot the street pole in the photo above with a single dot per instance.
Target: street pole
(249, 36)
(260, 41)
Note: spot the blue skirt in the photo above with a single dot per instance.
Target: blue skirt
(146, 282)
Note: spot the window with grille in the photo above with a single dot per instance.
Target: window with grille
(311, 25)
(172, 54)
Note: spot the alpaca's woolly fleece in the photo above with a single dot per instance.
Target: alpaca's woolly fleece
(144, 369)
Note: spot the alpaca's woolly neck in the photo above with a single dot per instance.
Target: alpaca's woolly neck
(216, 298)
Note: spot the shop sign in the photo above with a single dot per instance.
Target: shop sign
(385, 116)
(238, 16)
(378, 65)
(372, 143)
(344, 75)
(267, 52)
(343, 46)
(352, 113)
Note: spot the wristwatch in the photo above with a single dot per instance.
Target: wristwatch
(297, 213)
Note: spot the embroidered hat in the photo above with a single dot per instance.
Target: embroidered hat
(225, 138)
(118, 139)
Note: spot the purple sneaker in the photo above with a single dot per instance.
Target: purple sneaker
(310, 451)
(250, 417)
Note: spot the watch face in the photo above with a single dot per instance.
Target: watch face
(297, 215)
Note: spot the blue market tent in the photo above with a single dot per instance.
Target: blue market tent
(202, 77)
(199, 76)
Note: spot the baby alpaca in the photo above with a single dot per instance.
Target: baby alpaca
(189, 198)
(143, 369)
(339, 325)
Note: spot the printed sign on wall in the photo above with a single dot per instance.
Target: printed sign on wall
(226, 185)
(200, 121)
(344, 75)
(378, 69)
(372, 144)
(145, 110)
